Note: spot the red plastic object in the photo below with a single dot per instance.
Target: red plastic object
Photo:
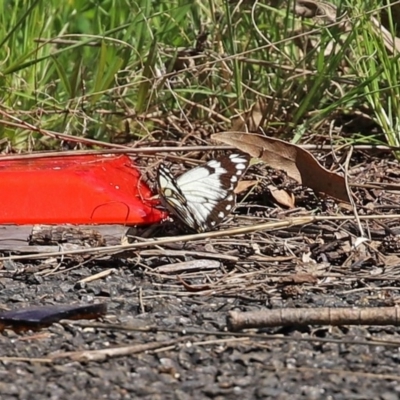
(83, 189)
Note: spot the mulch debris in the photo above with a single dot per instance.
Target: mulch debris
(165, 334)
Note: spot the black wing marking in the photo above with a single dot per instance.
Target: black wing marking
(203, 196)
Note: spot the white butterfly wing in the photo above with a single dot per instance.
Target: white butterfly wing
(203, 190)
(203, 196)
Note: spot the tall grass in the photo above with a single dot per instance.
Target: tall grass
(83, 68)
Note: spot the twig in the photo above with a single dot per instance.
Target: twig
(261, 336)
(103, 354)
(55, 135)
(268, 226)
(313, 316)
(186, 253)
(142, 309)
(187, 266)
(353, 204)
(119, 150)
(100, 275)
(25, 359)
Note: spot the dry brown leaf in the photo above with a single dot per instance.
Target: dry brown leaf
(244, 185)
(298, 163)
(249, 121)
(282, 197)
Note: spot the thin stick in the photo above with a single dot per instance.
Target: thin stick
(100, 275)
(313, 316)
(119, 150)
(112, 352)
(268, 226)
(25, 359)
(353, 203)
(253, 336)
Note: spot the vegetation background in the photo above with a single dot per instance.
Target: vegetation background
(169, 72)
(111, 70)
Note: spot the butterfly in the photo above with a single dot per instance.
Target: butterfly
(202, 197)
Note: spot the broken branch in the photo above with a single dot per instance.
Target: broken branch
(313, 316)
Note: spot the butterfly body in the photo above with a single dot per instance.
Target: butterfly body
(202, 197)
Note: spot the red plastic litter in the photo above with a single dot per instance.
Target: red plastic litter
(83, 189)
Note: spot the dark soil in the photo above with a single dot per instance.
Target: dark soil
(181, 316)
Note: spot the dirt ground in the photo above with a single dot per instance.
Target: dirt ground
(165, 331)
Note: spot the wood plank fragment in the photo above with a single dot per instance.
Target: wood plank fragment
(188, 266)
(50, 238)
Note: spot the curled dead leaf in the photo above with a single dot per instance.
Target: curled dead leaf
(282, 197)
(244, 185)
(298, 163)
